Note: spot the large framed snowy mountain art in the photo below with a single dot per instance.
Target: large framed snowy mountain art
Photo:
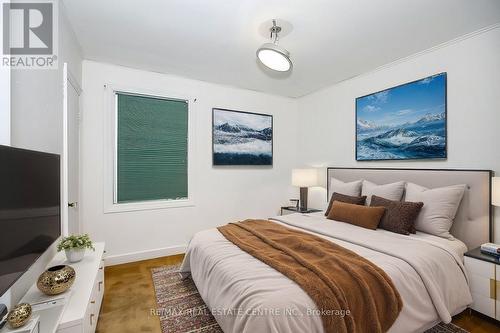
(242, 138)
(404, 122)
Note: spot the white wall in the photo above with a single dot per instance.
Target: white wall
(4, 105)
(36, 123)
(327, 124)
(222, 194)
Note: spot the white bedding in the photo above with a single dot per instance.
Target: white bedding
(246, 295)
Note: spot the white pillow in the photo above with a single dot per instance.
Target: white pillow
(440, 207)
(393, 191)
(352, 188)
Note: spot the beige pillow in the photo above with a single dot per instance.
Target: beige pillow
(353, 188)
(440, 207)
(393, 191)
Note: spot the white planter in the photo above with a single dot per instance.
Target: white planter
(75, 255)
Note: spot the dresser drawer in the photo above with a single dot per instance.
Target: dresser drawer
(484, 305)
(481, 285)
(480, 268)
(99, 289)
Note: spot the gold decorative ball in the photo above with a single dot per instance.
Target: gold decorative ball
(56, 280)
(19, 315)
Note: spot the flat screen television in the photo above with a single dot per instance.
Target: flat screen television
(30, 212)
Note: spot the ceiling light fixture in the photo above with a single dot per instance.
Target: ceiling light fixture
(272, 55)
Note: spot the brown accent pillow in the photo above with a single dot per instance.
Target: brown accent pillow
(400, 216)
(345, 198)
(362, 216)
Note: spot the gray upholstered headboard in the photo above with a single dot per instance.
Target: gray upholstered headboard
(473, 224)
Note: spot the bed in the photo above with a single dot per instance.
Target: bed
(246, 295)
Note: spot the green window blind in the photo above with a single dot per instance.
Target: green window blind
(152, 147)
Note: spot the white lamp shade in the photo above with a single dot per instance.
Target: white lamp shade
(495, 191)
(304, 177)
(274, 57)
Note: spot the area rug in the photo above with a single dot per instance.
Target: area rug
(446, 328)
(181, 308)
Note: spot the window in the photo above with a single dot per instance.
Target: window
(151, 152)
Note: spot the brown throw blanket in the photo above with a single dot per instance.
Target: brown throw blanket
(338, 280)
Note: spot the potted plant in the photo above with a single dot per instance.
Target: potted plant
(75, 246)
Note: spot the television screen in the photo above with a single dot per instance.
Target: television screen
(30, 219)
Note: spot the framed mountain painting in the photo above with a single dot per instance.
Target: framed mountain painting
(241, 138)
(403, 122)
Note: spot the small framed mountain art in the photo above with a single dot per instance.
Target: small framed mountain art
(242, 138)
(403, 122)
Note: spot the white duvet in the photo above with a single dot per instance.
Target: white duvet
(246, 295)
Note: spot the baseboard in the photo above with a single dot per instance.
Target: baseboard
(144, 255)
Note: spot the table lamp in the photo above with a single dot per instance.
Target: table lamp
(495, 191)
(304, 178)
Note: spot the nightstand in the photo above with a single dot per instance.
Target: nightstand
(292, 209)
(484, 281)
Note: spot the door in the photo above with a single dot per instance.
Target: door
(72, 160)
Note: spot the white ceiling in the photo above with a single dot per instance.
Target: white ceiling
(216, 40)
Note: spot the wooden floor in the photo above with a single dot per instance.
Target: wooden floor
(129, 297)
(476, 323)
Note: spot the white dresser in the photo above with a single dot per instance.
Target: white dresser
(79, 309)
(82, 310)
(484, 280)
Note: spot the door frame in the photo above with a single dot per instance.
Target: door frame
(69, 81)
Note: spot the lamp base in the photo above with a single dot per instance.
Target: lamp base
(303, 198)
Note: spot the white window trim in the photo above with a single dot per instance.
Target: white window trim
(110, 152)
